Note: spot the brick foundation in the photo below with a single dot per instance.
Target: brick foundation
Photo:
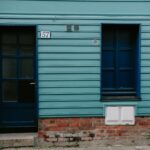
(77, 130)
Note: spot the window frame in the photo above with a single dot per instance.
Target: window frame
(137, 67)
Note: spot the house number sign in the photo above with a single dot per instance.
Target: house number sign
(45, 34)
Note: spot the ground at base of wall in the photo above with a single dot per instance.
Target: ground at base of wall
(90, 145)
(117, 147)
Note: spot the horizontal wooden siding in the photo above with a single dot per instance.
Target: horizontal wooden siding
(69, 71)
(69, 64)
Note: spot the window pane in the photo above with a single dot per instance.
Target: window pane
(9, 68)
(26, 50)
(26, 38)
(9, 49)
(26, 67)
(108, 39)
(108, 59)
(126, 79)
(9, 90)
(108, 79)
(125, 39)
(126, 59)
(9, 38)
(26, 91)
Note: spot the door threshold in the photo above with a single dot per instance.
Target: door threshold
(17, 140)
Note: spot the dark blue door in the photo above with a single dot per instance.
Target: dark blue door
(17, 77)
(118, 60)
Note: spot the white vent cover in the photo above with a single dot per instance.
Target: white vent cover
(120, 115)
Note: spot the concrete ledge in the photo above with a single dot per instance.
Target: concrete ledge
(17, 140)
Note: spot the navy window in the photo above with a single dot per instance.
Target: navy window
(120, 61)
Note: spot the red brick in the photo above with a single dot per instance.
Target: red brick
(92, 125)
(41, 133)
(74, 124)
(143, 123)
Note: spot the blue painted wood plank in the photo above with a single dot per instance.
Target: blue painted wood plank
(42, 7)
(145, 63)
(69, 105)
(69, 42)
(81, 21)
(145, 42)
(69, 91)
(145, 50)
(145, 96)
(63, 28)
(97, 0)
(143, 108)
(69, 98)
(45, 56)
(144, 104)
(70, 77)
(145, 29)
(73, 35)
(145, 70)
(145, 56)
(45, 21)
(145, 77)
(54, 18)
(145, 83)
(145, 35)
(143, 111)
(68, 49)
(70, 112)
(66, 84)
(69, 63)
(87, 70)
(145, 90)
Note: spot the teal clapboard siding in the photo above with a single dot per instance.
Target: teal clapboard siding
(69, 64)
(74, 7)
